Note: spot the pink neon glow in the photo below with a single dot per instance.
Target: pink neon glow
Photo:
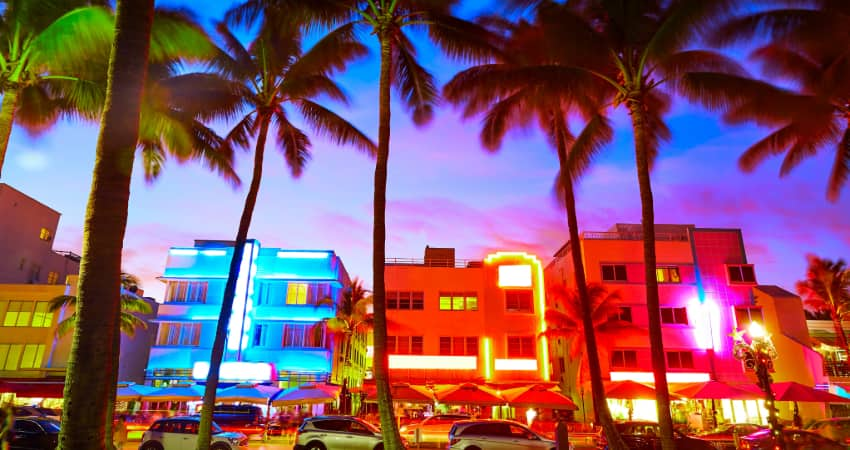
(705, 319)
(672, 377)
(515, 276)
(516, 364)
(433, 362)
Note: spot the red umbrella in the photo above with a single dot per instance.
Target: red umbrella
(537, 396)
(631, 390)
(403, 392)
(717, 390)
(469, 394)
(791, 391)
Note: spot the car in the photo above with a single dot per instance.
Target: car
(246, 419)
(181, 433)
(337, 433)
(36, 411)
(639, 435)
(432, 429)
(794, 440)
(726, 436)
(485, 434)
(34, 433)
(836, 428)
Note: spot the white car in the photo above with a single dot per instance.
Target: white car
(494, 434)
(181, 433)
(434, 429)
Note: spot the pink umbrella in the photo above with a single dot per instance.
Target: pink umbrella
(791, 391)
(631, 390)
(306, 394)
(403, 392)
(469, 394)
(716, 390)
(537, 396)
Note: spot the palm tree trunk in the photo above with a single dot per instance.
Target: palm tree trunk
(89, 365)
(656, 340)
(600, 405)
(110, 405)
(392, 438)
(7, 120)
(205, 427)
(836, 321)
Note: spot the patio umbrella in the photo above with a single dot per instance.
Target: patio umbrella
(791, 391)
(247, 393)
(537, 396)
(632, 390)
(404, 392)
(716, 390)
(131, 391)
(469, 394)
(176, 393)
(306, 394)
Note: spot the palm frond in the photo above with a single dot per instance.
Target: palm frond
(414, 83)
(596, 134)
(314, 86)
(776, 24)
(509, 112)
(461, 39)
(153, 159)
(328, 124)
(37, 111)
(204, 96)
(331, 53)
(840, 171)
(65, 325)
(293, 144)
(57, 303)
(176, 35)
(89, 28)
(234, 61)
(684, 21)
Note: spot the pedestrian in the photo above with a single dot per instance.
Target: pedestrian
(119, 433)
(562, 435)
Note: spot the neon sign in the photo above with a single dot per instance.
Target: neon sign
(302, 255)
(516, 364)
(433, 362)
(239, 326)
(515, 276)
(237, 371)
(672, 377)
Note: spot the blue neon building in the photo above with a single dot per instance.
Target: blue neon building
(277, 331)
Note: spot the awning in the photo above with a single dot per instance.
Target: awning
(34, 388)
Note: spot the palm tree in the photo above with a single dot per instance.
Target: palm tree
(92, 358)
(388, 21)
(640, 50)
(827, 288)
(512, 94)
(275, 79)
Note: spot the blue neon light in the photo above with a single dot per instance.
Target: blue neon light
(291, 254)
(183, 251)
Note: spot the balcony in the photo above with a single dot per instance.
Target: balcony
(631, 236)
(836, 369)
(434, 262)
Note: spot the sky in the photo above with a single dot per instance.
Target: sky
(445, 190)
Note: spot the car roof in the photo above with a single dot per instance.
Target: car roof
(181, 419)
(477, 421)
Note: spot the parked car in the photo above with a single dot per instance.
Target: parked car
(645, 436)
(495, 433)
(246, 419)
(794, 440)
(34, 433)
(337, 433)
(433, 429)
(181, 433)
(36, 411)
(726, 436)
(836, 428)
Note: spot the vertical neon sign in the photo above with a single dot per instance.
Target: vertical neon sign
(237, 335)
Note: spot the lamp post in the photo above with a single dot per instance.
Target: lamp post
(757, 352)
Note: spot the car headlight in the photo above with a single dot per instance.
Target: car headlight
(234, 440)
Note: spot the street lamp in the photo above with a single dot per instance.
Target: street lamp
(757, 353)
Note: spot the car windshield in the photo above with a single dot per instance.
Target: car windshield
(50, 426)
(47, 411)
(369, 426)
(216, 429)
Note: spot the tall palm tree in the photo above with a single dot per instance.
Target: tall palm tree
(389, 21)
(517, 91)
(642, 52)
(275, 80)
(92, 358)
(827, 288)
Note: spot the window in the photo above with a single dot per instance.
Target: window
(44, 234)
(614, 272)
(458, 301)
(187, 292)
(519, 300)
(744, 315)
(32, 356)
(52, 277)
(740, 273)
(521, 347)
(405, 345)
(667, 275)
(406, 300)
(624, 359)
(678, 316)
(41, 316)
(624, 314)
(179, 334)
(459, 346)
(260, 332)
(304, 335)
(21, 356)
(680, 360)
(296, 293)
(18, 314)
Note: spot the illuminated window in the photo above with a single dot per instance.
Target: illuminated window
(304, 335)
(459, 346)
(614, 272)
(624, 359)
(10, 356)
(458, 301)
(179, 334)
(18, 314)
(186, 292)
(667, 275)
(521, 347)
(624, 314)
(405, 345)
(52, 277)
(675, 316)
(406, 300)
(741, 273)
(519, 300)
(680, 360)
(32, 356)
(515, 276)
(744, 315)
(41, 316)
(44, 234)
(296, 293)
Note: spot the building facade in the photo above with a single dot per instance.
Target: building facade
(27, 229)
(451, 321)
(277, 331)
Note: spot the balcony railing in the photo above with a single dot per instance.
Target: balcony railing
(836, 369)
(631, 236)
(432, 262)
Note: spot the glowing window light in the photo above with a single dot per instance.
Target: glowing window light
(235, 370)
(183, 251)
(516, 364)
(213, 252)
(515, 276)
(433, 362)
(303, 255)
(370, 351)
(540, 295)
(705, 318)
(672, 377)
(487, 343)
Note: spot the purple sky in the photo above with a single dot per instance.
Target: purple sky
(445, 190)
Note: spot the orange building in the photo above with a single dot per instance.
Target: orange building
(451, 321)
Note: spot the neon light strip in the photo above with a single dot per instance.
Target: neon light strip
(303, 255)
(433, 362)
(234, 328)
(488, 358)
(672, 377)
(516, 364)
(213, 252)
(183, 251)
(232, 370)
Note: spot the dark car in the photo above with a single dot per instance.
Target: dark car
(246, 419)
(794, 440)
(34, 433)
(836, 428)
(726, 436)
(644, 436)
